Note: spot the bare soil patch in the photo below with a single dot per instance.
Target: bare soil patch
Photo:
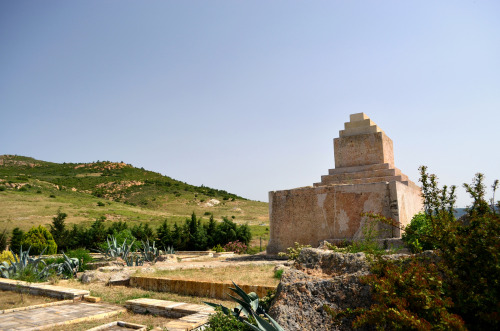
(151, 321)
(11, 299)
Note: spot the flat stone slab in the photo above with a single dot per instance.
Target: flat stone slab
(42, 289)
(119, 326)
(190, 316)
(49, 317)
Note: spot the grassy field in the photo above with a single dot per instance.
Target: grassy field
(25, 209)
(32, 191)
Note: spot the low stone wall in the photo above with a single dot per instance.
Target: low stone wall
(42, 289)
(197, 253)
(187, 316)
(216, 290)
(119, 325)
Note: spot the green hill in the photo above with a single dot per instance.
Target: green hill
(31, 192)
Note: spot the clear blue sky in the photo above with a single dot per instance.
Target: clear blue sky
(247, 96)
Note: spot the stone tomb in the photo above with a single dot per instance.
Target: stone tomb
(364, 180)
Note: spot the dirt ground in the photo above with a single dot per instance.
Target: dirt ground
(9, 299)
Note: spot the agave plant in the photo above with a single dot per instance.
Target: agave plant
(115, 250)
(70, 264)
(25, 263)
(249, 306)
(149, 252)
(169, 250)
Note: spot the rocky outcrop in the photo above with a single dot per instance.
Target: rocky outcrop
(321, 277)
(117, 275)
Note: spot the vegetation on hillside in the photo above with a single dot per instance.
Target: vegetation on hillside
(32, 191)
(103, 179)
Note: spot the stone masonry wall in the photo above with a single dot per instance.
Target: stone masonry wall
(364, 180)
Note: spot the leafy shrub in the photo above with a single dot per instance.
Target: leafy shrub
(218, 249)
(278, 273)
(417, 232)
(221, 322)
(408, 296)
(39, 239)
(6, 256)
(294, 252)
(235, 246)
(100, 204)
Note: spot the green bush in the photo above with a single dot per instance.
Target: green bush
(218, 249)
(39, 238)
(408, 297)
(418, 232)
(294, 252)
(221, 322)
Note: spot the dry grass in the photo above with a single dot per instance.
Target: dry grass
(10, 299)
(245, 274)
(28, 209)
(120, 294)
(151, 321)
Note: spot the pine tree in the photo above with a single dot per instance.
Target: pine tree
(210, 230)
(164, 234)
(16, 240)
(58, 230)
(3, 240)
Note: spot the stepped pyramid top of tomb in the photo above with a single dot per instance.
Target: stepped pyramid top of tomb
(359, 123)
(363, 155)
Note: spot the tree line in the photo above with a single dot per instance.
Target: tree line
(193, 234)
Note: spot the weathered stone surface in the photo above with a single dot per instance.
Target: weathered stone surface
(116, 276)
(320, 277)
(364, 181)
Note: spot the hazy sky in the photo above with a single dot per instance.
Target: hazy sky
(247, 96)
